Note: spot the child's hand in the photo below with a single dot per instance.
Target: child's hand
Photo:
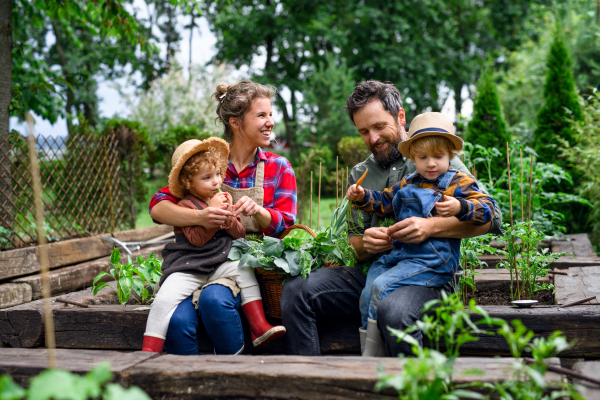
(220, 200)
(227, 223)
(355, 193)
(449, 208)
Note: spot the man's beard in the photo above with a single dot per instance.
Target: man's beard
(388, 156)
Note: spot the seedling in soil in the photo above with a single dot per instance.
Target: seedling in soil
(147, 273)
(470, 251)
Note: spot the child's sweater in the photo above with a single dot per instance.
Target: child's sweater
(476, 207)
(199, 249)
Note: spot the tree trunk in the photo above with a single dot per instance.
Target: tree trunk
(6, 217)
(458, 99)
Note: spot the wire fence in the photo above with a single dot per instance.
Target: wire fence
(81, 188)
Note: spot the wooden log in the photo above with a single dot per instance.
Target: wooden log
(12, 294)
(22, 364)
(562, 263)
(77, 277)
(284, 377)
(19, 262)
(579, 283)
(591, 369)
(490, 279)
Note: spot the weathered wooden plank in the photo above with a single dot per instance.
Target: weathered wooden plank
(579, 244)
(562, 263)
(77, 277)
(490, 279)
(580, 283)
(591, 369)
(19, 262)
(284, 377)
(22, 364)
(12, 294)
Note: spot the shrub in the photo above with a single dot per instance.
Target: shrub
(352, 149)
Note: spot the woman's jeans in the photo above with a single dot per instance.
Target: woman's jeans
(220, 314)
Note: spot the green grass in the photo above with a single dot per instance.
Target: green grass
(143, 219)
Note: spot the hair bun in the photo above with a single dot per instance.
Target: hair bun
(221, 91)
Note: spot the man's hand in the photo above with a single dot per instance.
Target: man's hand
(377, 240)
(355, 193)
(412, 230)
(448, 208)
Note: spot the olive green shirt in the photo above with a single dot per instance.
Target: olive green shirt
(380, 177)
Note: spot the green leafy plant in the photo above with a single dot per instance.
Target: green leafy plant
(470, 251)
(130, 277)
(525, 260)
(58, 384)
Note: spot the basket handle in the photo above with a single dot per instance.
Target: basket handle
(298, 226)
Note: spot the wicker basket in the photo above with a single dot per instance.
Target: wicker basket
(271, 282)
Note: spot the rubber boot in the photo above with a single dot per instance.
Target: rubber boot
(153, 344)
(261, 331)
(363, 337)
(374, 346)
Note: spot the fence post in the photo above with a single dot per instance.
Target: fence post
(110, 197)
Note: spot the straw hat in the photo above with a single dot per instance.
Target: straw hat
(188, 149)
(430, 124)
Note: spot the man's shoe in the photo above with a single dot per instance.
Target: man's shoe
(374, 346)
(261, 331)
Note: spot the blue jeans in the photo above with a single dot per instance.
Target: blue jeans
(220, 314)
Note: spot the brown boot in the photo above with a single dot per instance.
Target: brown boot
(153, 344)
(261, 331)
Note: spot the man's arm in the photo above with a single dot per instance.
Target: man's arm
(416, 230)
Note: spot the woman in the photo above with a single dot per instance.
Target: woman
(263, 187)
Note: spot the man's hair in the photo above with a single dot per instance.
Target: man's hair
(432, 145)
(207, 158)
(367, 91)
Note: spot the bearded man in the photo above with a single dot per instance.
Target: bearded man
(376, 110)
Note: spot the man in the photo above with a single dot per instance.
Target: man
(376, 110)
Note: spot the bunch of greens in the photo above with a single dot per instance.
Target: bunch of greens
(147, 273)
(297, 254)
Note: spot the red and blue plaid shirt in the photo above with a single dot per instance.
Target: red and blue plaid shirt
(279, 184)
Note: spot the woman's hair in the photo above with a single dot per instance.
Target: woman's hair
(432, 145)
(207, 158)
(235, 101)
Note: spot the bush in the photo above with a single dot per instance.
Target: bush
(165, 144)
(352, 149)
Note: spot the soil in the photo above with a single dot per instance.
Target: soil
(499, 298)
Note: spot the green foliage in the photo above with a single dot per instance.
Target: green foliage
(352, 150)
(147, 274)
(297, 254)
(63, 385)
(166, 143)
(309, 160)
(487, 129)
(526, 261)
(561, 103)
(470, 251)
(584, 158)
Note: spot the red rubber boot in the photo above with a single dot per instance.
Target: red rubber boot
(153, 344)
(261, 331)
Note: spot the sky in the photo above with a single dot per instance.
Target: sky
(203, 42)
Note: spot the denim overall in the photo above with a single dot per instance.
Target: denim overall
(431, 263)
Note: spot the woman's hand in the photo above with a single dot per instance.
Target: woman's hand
(245, 206)
(213, 217)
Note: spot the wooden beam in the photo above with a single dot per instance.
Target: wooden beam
(19, 262)
(579, 244)
(13, 294)
(580, 283)
(591, 369)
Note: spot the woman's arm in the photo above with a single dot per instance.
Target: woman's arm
(170, 214)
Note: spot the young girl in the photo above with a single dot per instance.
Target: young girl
(435, 189)
(198, 258)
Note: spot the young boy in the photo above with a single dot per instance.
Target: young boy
(434, 189)
(198, 257)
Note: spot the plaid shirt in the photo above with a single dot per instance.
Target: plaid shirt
(279, 184)
(479, 208)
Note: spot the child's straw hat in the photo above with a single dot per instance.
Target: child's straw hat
(188, 149)
(430, 124)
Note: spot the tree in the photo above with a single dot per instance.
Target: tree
(487, 128)
(561, 103)
(6, 218)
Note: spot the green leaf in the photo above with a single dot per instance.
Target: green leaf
(234, 254)
(115, 257)
(9, 390)
(138, 286)
(55, 384)
(100, 286)
(143, 273)
(116, 392)
(293, 258)
(282, 263)
(272, 247)
(125, 285)
(249, 260)
(99, 276)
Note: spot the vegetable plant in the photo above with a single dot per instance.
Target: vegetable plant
(58, 384)
(525, 261)
(470, 251)
(130, 277)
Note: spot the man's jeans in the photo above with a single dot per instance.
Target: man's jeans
(220, 314)
(334, 293)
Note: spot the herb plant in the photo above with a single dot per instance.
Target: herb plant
(130, 277)
(470, 251)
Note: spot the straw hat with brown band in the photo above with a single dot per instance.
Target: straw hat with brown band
(188, 149)
(430, 124)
